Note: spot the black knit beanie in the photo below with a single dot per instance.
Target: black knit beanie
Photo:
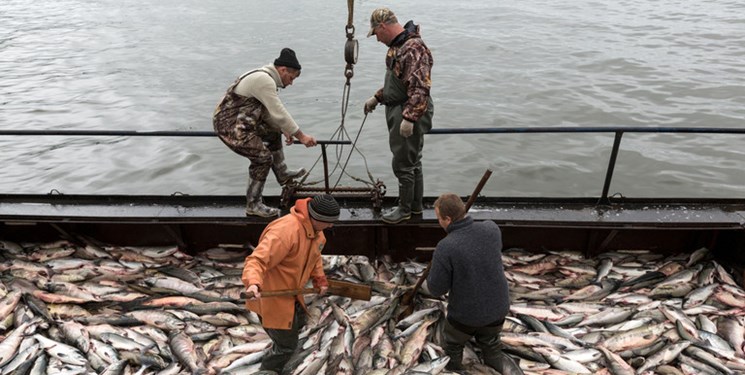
(324, 208)
(287, 58)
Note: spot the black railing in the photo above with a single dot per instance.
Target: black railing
(133, 133)
(604, 199)
(159, 133)
(618, 130)
(589, 129)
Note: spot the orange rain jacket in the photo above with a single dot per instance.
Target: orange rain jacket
(288, 255)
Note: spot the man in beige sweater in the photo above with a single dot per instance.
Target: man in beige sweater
(251, 119)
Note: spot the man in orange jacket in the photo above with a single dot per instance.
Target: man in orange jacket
(288, 255)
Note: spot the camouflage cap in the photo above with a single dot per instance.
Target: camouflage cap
(380, 15)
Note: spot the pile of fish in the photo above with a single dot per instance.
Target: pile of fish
(97, 309)
(624, 312)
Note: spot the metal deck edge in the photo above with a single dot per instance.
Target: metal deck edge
(228, 210)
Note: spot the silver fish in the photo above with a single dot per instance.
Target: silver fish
(733, 330)
(63, 352)
(183, 348)
(615, 363)
(664, 356)
(707, 358)
(11, 342)
(562, 363)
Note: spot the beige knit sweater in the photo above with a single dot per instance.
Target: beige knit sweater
(264, 87)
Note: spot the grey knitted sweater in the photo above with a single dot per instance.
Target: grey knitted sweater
(468, 264)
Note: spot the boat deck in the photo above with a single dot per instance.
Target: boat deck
(724, 214)
(199, 222)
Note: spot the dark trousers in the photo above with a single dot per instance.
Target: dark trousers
(284, 342)
(487, 339)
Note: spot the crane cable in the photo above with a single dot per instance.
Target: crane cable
(351, 49)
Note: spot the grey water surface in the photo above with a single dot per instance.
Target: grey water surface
(151, 65)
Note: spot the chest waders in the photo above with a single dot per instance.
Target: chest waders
(407, 152)
(239, 123)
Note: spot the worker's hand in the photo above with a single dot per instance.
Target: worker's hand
(320, 283)
(370, 104)
(288, 138)
(407, 128)
(253, 290)
(307, 140)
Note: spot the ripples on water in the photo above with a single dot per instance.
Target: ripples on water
(136, 65)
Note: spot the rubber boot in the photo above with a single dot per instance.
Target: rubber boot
(403, 211)
(453, 346)
(416, 204)
(254, 203)
(491, 347)
(284, 175)
(456, 361)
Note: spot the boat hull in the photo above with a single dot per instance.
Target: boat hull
(196, 223)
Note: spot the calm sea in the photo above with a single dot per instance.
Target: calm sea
(163, 65)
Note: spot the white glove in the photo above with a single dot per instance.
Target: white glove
(370, 104)
(407, 128)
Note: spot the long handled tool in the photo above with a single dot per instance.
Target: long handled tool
(336, 287)
(406, 305)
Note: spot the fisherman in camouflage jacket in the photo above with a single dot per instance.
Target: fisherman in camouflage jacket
(409, 106)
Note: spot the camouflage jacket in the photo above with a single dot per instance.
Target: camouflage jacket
(411, 61)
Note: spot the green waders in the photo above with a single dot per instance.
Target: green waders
(284, 343)
(407, 152)
(487, 338)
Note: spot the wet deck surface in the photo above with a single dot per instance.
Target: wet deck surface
(202, 209)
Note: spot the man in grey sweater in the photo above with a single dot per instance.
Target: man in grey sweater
(467, 263)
